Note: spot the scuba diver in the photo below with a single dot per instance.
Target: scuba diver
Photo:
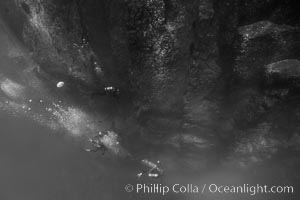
(97, 144)
(110, 91)
(102, 142)
(153, 170)
(109, 140)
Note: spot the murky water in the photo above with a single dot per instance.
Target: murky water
(39, 164)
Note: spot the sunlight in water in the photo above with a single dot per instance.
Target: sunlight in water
(11, 88)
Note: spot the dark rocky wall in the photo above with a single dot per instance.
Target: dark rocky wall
(196, 67)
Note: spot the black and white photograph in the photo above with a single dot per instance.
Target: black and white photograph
(149, 99)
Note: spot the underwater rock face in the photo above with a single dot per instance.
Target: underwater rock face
(283, 71)
(256, 145)
(207, 69)
(158, 41)
(263, 43)
(58, 38)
